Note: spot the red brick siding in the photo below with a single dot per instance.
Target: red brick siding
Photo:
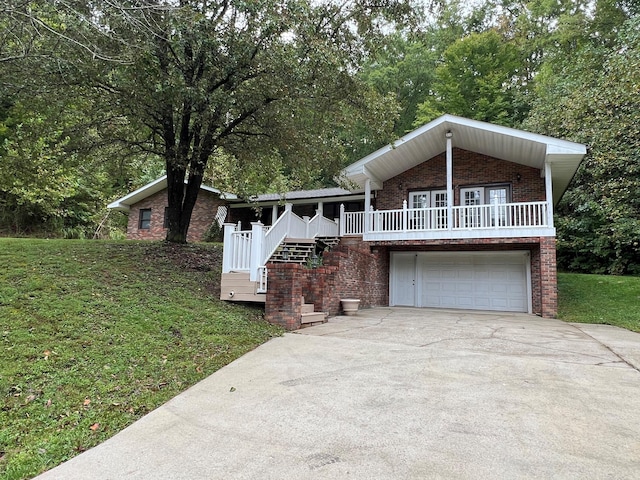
(351, 270)
(203, 215)
(548, 277)
(469, 169)
(283, 304)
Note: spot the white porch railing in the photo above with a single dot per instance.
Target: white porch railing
(464, 218)
(249, 251)
(262, 280)
(351, 223)
(241, 257)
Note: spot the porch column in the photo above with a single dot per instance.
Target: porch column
(320, 209)
(549, 193)
(449, 135)
(274, 214)
(367, 204)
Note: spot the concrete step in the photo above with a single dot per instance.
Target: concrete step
(315, 317)
(307, 308)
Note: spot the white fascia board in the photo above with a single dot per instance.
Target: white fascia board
(358, 167)
(554, 145)
(141, 193)
(300, 201)
(376, 183)
(124, 204)
(559, 151)
(118, 206)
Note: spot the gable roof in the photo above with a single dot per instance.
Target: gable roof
(124, 204)
(530, 149)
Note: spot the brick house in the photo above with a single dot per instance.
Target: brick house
(394, 238)
(146, 209)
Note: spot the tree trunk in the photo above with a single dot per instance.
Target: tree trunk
(181, 202)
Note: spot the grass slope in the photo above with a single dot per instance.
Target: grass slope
(603, 299)
(93, 335)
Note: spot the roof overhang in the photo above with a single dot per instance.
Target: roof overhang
(530, 149)
(302, 197)
(124, 204)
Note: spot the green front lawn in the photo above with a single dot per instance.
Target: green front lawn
(93, 335)
(604, 299)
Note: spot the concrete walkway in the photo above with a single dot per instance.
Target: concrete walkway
(399, 393)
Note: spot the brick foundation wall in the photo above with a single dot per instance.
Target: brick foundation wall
(548, 277)
(283, 301)
(469, 169)
(350, 270)
(203, 215)
(357, 269)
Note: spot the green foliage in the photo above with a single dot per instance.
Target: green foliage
(404, 68)
(94, 335)
(214, 233)
(604, 299)
(474, 80)
(599, 216)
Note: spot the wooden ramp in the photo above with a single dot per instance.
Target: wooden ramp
(237, 287)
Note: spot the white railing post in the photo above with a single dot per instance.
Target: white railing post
(227, 246)
(367, 227)
(307, 229)
(404, 215)
(288, 210)
(369, 224)
(342, 220)
(257, 247)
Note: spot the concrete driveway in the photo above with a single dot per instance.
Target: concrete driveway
(398, 393)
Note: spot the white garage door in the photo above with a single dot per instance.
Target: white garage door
(467, 280)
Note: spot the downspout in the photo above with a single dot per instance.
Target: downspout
(449, 135)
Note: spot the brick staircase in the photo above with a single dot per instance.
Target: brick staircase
(310, 316)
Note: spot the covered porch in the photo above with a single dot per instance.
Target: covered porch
(457, 178)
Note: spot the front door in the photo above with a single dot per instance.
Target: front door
(403, 279)
(497, 197)
(439, 201)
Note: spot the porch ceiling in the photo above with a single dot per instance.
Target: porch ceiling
(505, 143)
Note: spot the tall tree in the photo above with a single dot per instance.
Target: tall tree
(265, 81)
(474, 80)
(595, 99)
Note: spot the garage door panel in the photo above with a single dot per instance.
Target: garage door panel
(484, 281)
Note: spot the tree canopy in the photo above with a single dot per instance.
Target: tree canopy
(99, 97)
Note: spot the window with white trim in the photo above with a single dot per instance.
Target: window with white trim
(144, 222)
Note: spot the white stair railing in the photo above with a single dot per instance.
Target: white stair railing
(236, 255)
(321, 226)
(249, 251)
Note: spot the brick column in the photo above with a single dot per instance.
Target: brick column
(284, 294)
(548, 277)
